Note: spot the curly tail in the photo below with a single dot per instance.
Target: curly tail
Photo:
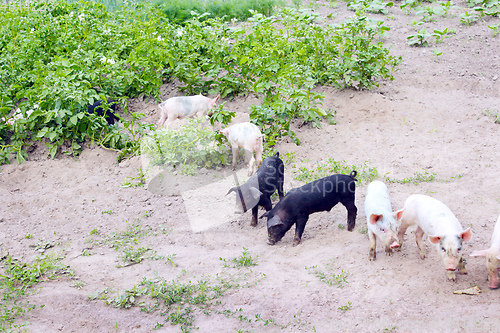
(353, 175)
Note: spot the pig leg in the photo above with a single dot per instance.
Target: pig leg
(251, 163)
(168, 122)
(461, 267)
(401, 234)
(451, 275)
(266, 203)
(419, 233)
(280, 188)
(493, 276)
(258, 156)
(255, 211)
(388, 250)
(351, 213)
(373, 245)
(162, 120)
(299, 229)
(235, 155)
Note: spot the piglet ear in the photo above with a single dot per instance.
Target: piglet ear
(466, 235)
(374, 218)
(274, 221)
(435, 239)
(212, 102)
(264, 215)
(398, 214)
(481, 253)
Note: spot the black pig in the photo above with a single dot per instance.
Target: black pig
(258, 189)
(108, 114)
(299, 203)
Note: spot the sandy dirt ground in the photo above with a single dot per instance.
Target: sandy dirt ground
(430, 118)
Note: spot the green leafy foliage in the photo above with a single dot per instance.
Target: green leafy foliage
(329, 167)
(468, 18)
(420, 38)
(484, 7)
(57, 57)
(245, 260)
(15, 281)
(191, 147)
(181, 10)
(180, 300)
(328, 275)
(373, 6)
(420, 177)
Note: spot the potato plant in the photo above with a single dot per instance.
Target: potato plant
(57, 57)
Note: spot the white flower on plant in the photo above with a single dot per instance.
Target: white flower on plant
(103, 60)
(111, 61)
(160, 39)
(71, 14)
(36, 106)
(32, 30)
(180, 32)
(81, 17)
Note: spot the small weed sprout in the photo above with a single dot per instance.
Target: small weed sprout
(493, 115)
(328, 277)
(420, 177)
(323, 169)
(244, 260)
(363, 230)
(140, 180)
(344, 308)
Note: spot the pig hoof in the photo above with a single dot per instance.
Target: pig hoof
(397, 249)
(253, 224)
(372, 258)
(422, 255)
(451, 276)
(270, 242)
(296, 242)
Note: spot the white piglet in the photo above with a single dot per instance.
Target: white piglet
(492, 257)
(444, 230)
(247, 136)
(183, 107)
(381, 221)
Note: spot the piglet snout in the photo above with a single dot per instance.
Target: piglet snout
(395, 245)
